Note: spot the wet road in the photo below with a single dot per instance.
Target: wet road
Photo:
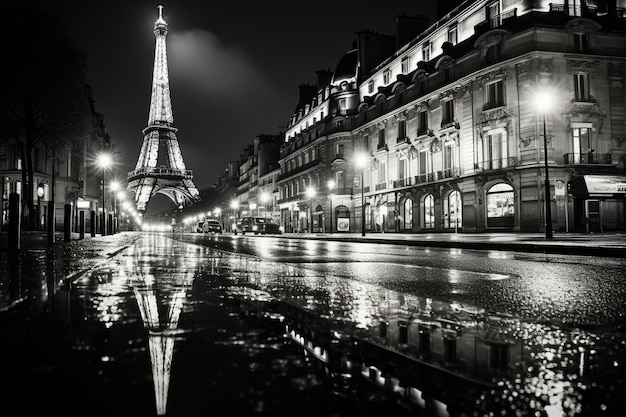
(267, 326)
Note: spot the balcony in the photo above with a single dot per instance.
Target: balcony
(381, 186)
(587, 158)
(160, 172)
(448, 173)
(495, 164)
(574, 10)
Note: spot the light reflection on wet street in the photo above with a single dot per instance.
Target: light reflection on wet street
(171, 328)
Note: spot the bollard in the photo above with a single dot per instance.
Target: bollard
(14, 221)
(110, 224)
(103, 229)
(67, 223)
(51, 222)
(81, 224)
(92, 223)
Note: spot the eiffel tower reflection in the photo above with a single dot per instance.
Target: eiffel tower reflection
(161, 288)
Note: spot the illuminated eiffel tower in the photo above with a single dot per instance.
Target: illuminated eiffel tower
(160, 168)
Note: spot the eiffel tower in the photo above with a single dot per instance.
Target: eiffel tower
(160, 168)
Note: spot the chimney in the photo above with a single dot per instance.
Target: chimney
(373, 48)
(324, 77)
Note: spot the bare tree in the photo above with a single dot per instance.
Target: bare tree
(44, 99)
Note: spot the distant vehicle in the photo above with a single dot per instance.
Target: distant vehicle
(256, 225)
(209, 226)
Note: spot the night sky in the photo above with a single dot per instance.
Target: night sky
(235, 66)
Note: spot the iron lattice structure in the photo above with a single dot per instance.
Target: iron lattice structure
(160, 168)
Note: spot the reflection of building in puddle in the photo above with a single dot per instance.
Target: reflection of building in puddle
(441, 357)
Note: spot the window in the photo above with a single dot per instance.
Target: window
(448, 158)
(306, 158)
(581, 86)
(453, 211)
(381, 138)
(447, 116)
(429, 212)
(574, 8)
(581, 42)
(339, 180)
(498, 356)
(403, 168)
(500, 206)
(583, 151)
(493, 53)
(386, 77)
(401, 130)
(405, 65)
(370, 86)
(495, 151)
(453, 35)
(382, 177)
(423, 162)
(408, 214)
(422, 122)
(426, 52)
(493, 14)
(494, 95)
(342, 106)
(449, 349)
(339, 150)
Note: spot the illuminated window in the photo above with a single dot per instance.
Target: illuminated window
(453, 35)
(581, 86)
(405, 65)
(426, 52)
(407, 215)
(429, 212)
(500, 206)
(581, 141)
(453, 210)
(339, 180)
(386, 77)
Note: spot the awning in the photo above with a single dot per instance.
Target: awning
(598, 186)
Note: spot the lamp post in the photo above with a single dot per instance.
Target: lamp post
(544, 100)
(115, 186)
(331, 186)
(104, 161)
(234, 205)
(310, 193)
(39, 195)
(361, 161)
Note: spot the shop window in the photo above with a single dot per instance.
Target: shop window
(453, 211)
(429, 212)
(407, 214)
(500, 206)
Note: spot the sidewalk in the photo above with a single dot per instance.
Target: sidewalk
(602, 244)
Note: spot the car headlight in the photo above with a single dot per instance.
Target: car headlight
(255, 227)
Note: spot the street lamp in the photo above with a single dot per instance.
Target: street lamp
(544, 103)
(310, 193)
(39, 195)
(234, 206)
(115, 185)
(104, 161)
(331, 186)
(360, 162)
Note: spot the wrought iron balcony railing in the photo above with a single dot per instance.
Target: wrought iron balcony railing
(495, 164)
(587, 158)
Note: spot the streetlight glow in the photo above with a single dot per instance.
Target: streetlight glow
(543, 101)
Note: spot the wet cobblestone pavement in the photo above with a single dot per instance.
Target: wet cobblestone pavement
(150, 326)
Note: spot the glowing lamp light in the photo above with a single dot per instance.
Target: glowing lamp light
(104, 160)
(360, 159)
(310, 192)
(544, 100)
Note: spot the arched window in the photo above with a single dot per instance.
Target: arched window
(407, 214)
(429, 212)
(453, 211)
(500, 206)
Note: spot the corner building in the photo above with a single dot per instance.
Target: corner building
(454, 132)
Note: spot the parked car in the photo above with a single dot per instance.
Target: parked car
(256, 225)
(209, 226)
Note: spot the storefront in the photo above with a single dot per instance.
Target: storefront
(599, 203)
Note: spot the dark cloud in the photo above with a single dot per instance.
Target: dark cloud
(198, 59)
